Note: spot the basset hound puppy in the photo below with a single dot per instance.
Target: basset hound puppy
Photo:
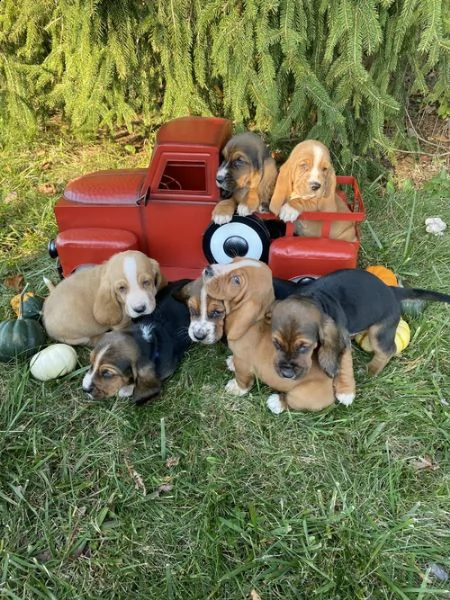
(307, 182)
(208, 314)
(133, 362)
(94, 300)
(354, 300)
(246, 289)
(246, 177)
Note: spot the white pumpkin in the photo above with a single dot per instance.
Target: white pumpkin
(54, 361)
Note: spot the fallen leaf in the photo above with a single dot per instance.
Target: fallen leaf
(254, 595)
(424, 462)
(10, 197)
(14, 282)
(138, 481)
(46, 188)
(165, 487)
(172, 461)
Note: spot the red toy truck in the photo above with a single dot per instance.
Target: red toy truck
(165, 211)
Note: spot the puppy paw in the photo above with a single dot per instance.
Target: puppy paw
(222, 219)
(275, 405)
(126, 391)
(243, 210)
(345, 399)
(230, 363)
(233, 388)
(288, 214)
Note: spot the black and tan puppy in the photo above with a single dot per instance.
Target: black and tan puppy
(246, 177)
(355, 301)
(133, 362)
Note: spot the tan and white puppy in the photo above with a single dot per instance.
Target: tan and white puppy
(246, 289)
(107, 296)
(246, 177)
(307, 182)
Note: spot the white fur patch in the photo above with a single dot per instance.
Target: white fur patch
(147, 332)
(126, 391)
(136, 296)
(345, 399)
(88, 378)
(230, 363)
(288, 214)
(233, 388)
(315, 174)
(201, 329)
(243, 210)
(222, 219)
(274, 404)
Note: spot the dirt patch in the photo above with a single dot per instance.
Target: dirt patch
(431, 134)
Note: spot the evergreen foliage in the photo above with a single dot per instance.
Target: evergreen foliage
(337, 70)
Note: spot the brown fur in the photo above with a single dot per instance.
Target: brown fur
(294, 188)
(301, 333)
(94, 300)
(247, 174)
(117, 367)
(245, 286)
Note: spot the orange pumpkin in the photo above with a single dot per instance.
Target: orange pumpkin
(383, 273)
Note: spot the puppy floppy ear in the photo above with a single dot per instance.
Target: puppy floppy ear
(160, 280)
(147, 384)
(330, 184)
(237, 324)
(283, 189)
(107, 309)
(332, 342)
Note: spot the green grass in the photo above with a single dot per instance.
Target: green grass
(205, 496)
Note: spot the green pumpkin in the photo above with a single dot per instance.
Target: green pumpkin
(413, 308)
(21, 337)
(31, 305)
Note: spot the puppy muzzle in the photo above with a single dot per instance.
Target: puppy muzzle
(289, 371)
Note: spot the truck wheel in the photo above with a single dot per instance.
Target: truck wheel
(242, 236)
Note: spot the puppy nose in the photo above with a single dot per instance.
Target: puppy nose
(199, 335)
(287, 371)
(220, 178)
(139, 309)
(208, 271)
(315, 185)
(88, 388)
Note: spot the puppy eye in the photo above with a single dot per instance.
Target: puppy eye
(324, 169)
(215, 314)
(122, 289)
(236, 279)
(302, 349)
(146, 283)
(276, 344)
(106, 374)
(239, 162)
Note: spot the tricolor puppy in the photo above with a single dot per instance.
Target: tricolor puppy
(246, 177)
(246, 289)
(133, 362)
(354, 301)
(208, 314)
(107, 296)
(307, 182)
